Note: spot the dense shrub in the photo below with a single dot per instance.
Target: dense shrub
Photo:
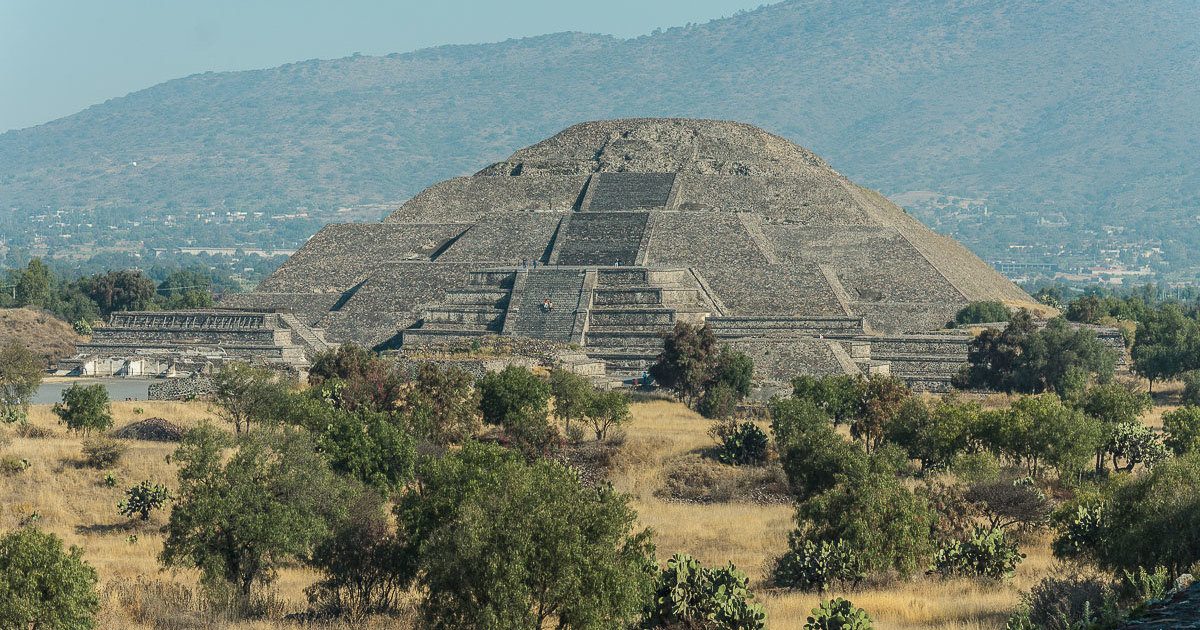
(43, 586)
(982, 312)
(103, 452)
(85, 408)
(363, 562)
(688, 595)
(1191, 388)
(1151, 520)
(985, 553)
(1008, 503)
(814, 456)
(1072, 601)
(891, 527)
(740, 443)
(443, 404)
(144, 498)
(1182, 428)
(818, 566)
(838, 614)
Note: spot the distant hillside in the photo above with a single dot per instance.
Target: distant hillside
(1081, 108)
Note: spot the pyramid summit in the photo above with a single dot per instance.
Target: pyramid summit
(609, 232)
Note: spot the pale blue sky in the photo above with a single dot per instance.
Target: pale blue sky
(58, 57)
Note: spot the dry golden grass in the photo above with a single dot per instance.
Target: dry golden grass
(74, 504)
(752, 536)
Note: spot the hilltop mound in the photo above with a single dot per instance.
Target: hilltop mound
(50, 338)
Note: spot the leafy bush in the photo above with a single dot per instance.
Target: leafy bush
(981, 313)
(838, 614)
(740, 443)
(1182, 427)
(890, 526)
(103, 452)
(985, 553)
(111, 480)
(85, 408)
(1072, 602)
(976, 467)
(1191, 388)
(41, 586)
(688, 595)
(810, 565)
(814, 456)
(144, 498)
(1151, 520)
(363, 562)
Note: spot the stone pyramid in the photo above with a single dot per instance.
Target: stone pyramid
(609, 232)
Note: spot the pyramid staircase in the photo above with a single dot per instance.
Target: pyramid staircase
(632, 307)
(473, 311)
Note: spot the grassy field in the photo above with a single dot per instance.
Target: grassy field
(73, 502)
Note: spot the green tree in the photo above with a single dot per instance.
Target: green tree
(512, 395)
(443, 404)
(814, 456)
(688, 360)
(1182, 428)
(934, 433)
(1041, 430)
(33, 285)
(1167, 344)
(840, 396)
(607, 410)
(982, 312)
(85, 408)
(882, 397)
(185, 289)
(43, 586)
(573, 395)
(1191, 388)
(571, 557)
(889, 525)
(1113, 405)
(244, 394)
(994, 356)
(238, 519)
(364, 564)
(1051, 357)
(124, 290)
(368, 446)
(20, 376)
(341, 363)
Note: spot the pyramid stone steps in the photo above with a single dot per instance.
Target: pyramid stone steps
(527, 315)
(601, 238)
(629, 191)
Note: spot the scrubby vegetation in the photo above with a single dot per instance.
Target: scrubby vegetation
(386, 495)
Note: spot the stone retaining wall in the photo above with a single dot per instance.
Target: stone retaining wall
(181, 388)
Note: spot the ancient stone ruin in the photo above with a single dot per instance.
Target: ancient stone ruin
(608, 233)
(176, 343)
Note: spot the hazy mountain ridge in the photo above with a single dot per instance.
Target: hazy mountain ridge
(1079, 107)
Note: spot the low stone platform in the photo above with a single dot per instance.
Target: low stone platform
(171, 343)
